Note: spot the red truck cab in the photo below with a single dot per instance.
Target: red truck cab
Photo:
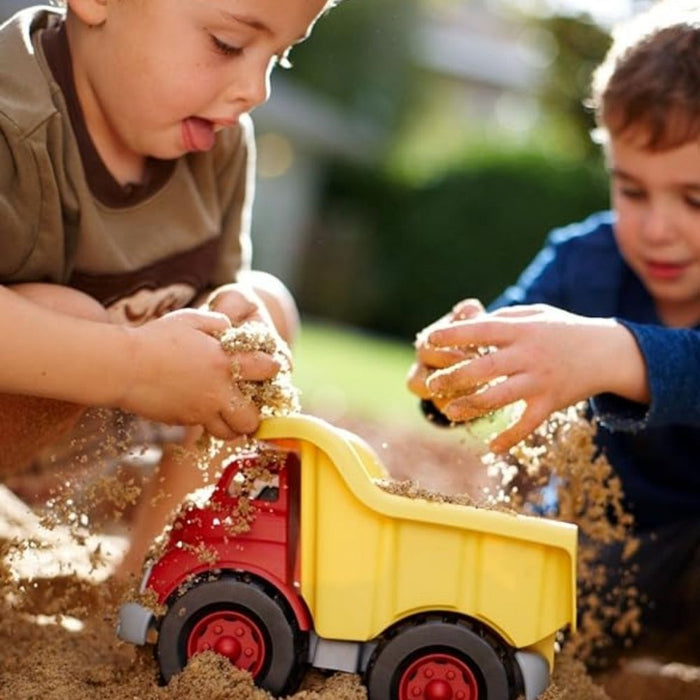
(219, 529)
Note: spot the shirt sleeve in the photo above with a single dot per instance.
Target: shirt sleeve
(19, 203)
(672, 359)
(578, 269)
(540, 282)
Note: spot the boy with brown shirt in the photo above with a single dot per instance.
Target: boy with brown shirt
(126, 176)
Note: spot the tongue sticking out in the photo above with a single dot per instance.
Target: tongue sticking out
(198, 134)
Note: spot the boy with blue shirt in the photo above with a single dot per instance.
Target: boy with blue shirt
(609, 310)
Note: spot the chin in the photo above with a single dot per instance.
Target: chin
(169, 153)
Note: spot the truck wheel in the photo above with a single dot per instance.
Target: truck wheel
(437, 659)
(239, 620)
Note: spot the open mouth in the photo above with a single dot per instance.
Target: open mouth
(198, 134)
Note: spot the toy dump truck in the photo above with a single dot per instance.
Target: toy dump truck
(310, 561)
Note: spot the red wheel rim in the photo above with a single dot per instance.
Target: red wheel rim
(231, 634)
(438, 677)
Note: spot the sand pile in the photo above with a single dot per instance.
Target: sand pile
(57, 628)
(58, 604)
(58, 641)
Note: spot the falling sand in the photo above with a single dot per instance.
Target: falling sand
(59, 602)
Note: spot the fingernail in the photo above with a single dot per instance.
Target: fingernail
(497, 447)
(434, 385)
(452, 412)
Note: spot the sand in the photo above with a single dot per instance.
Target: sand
(59, 604)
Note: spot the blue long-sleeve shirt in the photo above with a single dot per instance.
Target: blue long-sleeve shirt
(655, 448)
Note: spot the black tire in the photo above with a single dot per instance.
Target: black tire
(215, 615)
(450, 654)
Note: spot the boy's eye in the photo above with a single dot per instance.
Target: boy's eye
(693, 202)
(225, 49)
(632, 192)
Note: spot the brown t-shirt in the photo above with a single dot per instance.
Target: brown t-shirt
(140, 250)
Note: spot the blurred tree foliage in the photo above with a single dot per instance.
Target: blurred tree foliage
(359, 58)
(580, 46)
(393, 257)
(391, 253)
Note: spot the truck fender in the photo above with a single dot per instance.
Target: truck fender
(535, 673)
(134, 623)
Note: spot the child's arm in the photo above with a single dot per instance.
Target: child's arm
(547, 357)
(171, 370)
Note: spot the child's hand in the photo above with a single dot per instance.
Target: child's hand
(182, 375)
(241, 305)
(238, 302)
(549, 358)
(430, 357)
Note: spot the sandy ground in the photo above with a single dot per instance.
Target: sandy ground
(58, 613)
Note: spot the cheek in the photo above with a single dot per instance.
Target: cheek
(176, 93)
(627, 218)
(692, 240)
(173, 67)
(626, 234)
(189, 77)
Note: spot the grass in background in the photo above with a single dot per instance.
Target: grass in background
(344, 370)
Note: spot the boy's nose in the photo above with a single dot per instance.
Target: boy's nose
(252, 87)
(658, 225)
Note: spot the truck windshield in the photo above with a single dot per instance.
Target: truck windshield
(258, 489)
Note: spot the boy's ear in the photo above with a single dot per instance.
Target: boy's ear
(91, 12)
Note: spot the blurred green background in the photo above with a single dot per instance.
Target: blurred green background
(418, 153)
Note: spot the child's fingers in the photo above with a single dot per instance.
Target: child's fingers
(238, 303)
(520, 311)
(440, 357)
(238, 318)
(531, 418)
(463, 410)
(241, 305)
(416, 385)
(485, 400)
(472, 333)
(254, 366)
(417, 375)
(440, 403)
(467, 308)
(241, 417)
(210, 322)
(468, 375)
(218, 427)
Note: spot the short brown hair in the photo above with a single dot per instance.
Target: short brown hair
(649, 83)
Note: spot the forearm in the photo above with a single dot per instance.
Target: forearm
(55, 355)
(619, 367)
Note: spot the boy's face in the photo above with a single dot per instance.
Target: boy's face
(656, 196)
(160, 77)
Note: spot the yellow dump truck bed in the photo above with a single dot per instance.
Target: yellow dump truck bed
(370, 558)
